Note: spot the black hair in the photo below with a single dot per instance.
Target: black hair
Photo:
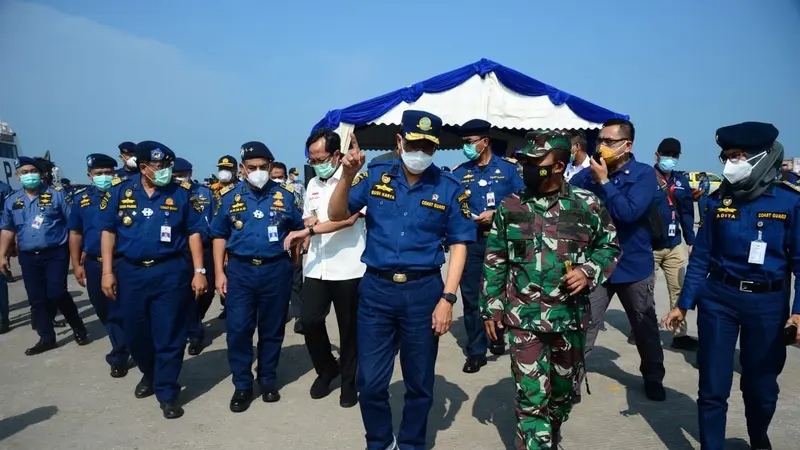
(46, 167)
(279, 165)
(333, 142)
(579, 137)
(628, 131)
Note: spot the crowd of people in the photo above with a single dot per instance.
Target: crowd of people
(538, 245)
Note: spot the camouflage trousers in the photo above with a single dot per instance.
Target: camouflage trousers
(546, 367)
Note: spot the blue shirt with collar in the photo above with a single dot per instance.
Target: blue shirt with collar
(84, 218)
(499, 176)
(245, 217)
(723, 242)
(678, 210)
(206, 200)
(150, 227)
(628, 195)
(406, 224)
(40, 222)
(705, 187)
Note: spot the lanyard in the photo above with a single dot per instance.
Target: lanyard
(670, 191)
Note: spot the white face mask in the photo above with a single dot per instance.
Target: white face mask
(738, 171)
(416, 162)
(131, 162)
(278, 180)
(182, 179)
(258, 178)
(225, 176)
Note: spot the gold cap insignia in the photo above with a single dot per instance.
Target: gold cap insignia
(424, 124)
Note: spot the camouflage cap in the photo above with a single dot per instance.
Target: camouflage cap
(535, 150)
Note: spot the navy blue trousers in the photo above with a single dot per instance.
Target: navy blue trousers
(44, 274)
(155, 305)
(389, 312)
(196, 330)
(723, 315)
(108, 311)
(257, 297)
(477, 341)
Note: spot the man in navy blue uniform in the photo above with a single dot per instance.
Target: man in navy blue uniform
(487, 179)
(36, 216)
(677, 217)
(250, 223)
(84, 245)
(5, 324)
(201, 199)
(148, 221)
(127, 154)
(628, 188)
(411, 207)
(227, 175)
(739, 279)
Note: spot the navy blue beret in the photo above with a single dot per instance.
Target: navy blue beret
(100, 161)
(669, 145)
(418, 125)
(28, 161)
(153, 151)
(127, 147)
(747, 136)
(475, 127)
(255, 149)
(181, 165)
(228, 162)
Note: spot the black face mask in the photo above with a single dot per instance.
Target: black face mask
(533, 176)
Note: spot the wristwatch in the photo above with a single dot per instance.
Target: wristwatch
(311, 230)
(450, 298)
(201, 270)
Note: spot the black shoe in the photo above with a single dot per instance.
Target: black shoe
(348, 397)
(119, 370)
(144, 389)
(5, 327)
(195, 347)
(222, 315)
(761, 444)
(298, 328)
(474, 364)
(171, 409)
(497, 348)
(241, 400)
(271, 396)
(687, 343)
(59, 323)
(322, 385)
(81, 337)
(40, 347)
(655, 391)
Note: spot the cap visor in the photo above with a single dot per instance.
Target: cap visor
(420, 136)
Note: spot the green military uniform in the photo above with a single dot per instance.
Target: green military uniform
(532, 238)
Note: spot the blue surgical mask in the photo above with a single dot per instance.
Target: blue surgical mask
(471, 152)
(666, 163)
(30, 180)
(162, 177)
(103, 182)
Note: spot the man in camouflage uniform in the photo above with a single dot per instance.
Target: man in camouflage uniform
(549, 246)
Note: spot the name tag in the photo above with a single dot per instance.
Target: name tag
(383, 191)
(772, 215)
(238, 207)
(431, 204)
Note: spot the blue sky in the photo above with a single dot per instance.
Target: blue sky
(80, 76)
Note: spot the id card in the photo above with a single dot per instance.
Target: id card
(672, 230)
(490, 199)
(758, 250)
(37, 222)
(272, 232)
(166, 233)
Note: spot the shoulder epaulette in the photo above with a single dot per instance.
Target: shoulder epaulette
(509, 159)
(288, 187)
(454, 168)
(226, 189)
(791, 186)
(57, 188)
(359, 177)
(118, 180)
(186, 185)
(78, 191)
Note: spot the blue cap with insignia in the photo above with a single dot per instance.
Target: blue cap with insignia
(100, 161)
(153, 151)
(28, 161)
(475, 127)
(255, 149)
(181, 165)
(227, 161)
(127, 147)
(419, 125)
(747, 136)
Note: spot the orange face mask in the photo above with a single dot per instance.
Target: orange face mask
(609, 154)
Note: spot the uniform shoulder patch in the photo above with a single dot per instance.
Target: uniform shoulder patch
(509, 159)
(78, 191)
(118, 180)
(186, 185)
(790, 186)
(359, 177)
(58, 188)
(288, 187)
(226, 189)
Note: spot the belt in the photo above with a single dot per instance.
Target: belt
(257, 261)
(402, 277)
(755, 287)
(150, 262)
(94, 258)
(39, 252)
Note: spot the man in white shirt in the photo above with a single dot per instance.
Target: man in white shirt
(579, 159)
(332, 270)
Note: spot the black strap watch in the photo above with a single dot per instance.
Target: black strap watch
(311, 230)
(450, 298)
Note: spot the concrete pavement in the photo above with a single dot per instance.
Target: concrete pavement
(65, 399)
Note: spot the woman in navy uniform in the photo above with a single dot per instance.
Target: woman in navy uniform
(148, 221)
(411, 207)
(251, 221)
(84, 246)
(739, 278)
(36, 216)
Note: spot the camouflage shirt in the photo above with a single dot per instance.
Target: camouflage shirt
(530, 240)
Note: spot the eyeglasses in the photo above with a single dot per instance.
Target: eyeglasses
(610, 142)
(312, 162)
(733, 156)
